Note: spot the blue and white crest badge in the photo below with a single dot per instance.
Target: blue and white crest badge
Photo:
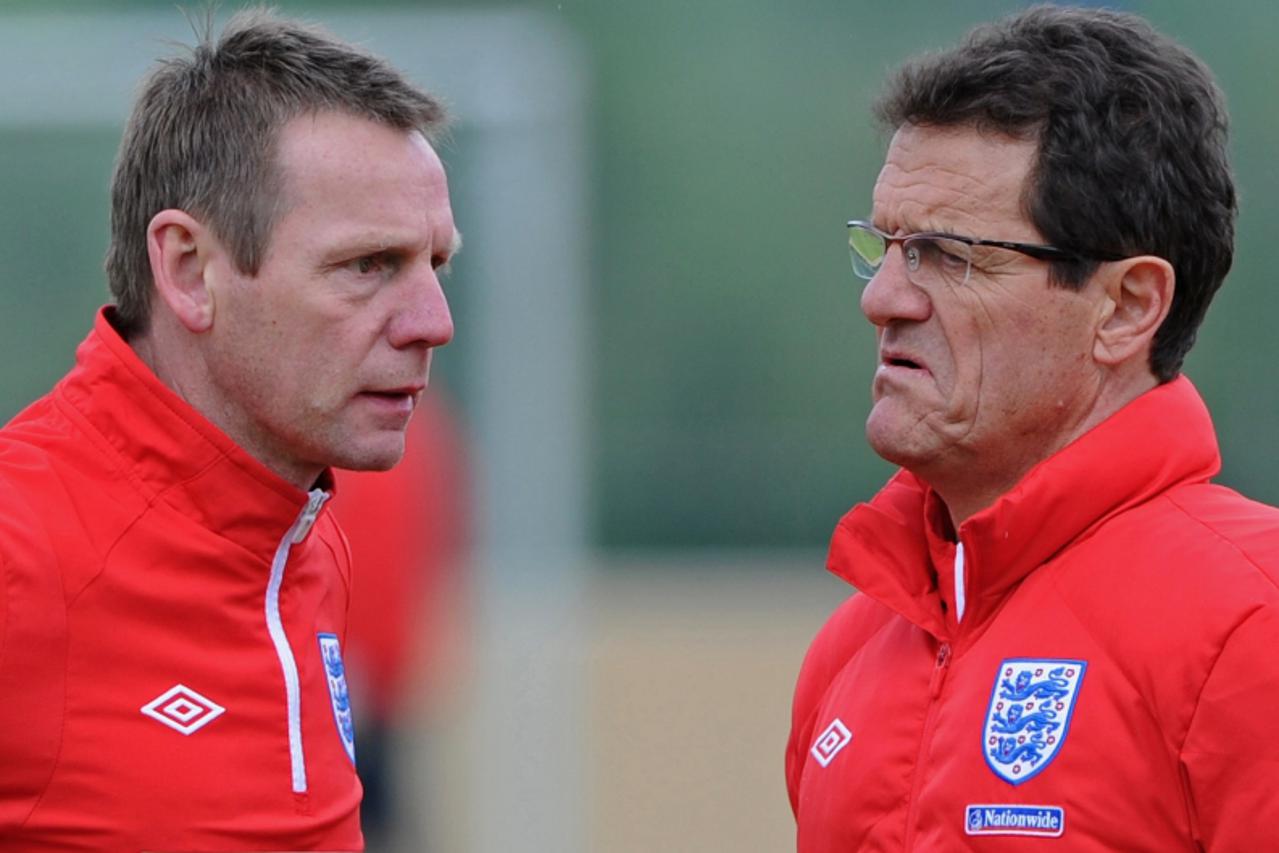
(335, 673)
(1029, 715)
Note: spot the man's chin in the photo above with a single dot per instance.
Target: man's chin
(383, 455)
(892, 441)
(890, 452)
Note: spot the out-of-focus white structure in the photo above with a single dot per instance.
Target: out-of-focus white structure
(516, 86)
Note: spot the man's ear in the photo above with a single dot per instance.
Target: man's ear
(179, 248)
(1138, 295)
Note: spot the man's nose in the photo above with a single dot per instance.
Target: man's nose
(423, 316)
(891, 296)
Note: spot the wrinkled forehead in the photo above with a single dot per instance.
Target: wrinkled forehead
(330, 146)
(345, 180)
(954, 179)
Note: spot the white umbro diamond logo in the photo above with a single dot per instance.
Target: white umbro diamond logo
(182, 709)
(831, 741)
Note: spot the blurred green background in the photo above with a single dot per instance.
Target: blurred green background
(632, 695)
(729, 365)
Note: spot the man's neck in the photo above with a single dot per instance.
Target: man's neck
(980, 483)
(180, 367)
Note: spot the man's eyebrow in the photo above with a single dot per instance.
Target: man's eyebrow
(915, 228)
(372, 243)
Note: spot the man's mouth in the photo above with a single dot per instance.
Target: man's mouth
(402, 391)
(400, 400)
(894, 358)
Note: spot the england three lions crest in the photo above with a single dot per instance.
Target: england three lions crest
(335, 673)
(1029, 715)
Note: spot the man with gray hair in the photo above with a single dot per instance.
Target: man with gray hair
(173, 593)
(1062, 628)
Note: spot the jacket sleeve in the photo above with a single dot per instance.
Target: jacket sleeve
(846, 631)
(32, 672)
(814, 676)
(1231, 753)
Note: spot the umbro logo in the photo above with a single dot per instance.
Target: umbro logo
(832, 740)
(182, 709)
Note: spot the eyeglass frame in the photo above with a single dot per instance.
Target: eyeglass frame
(1038, 251)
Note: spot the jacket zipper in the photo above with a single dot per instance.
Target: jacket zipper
(935, 682)
(275, 627)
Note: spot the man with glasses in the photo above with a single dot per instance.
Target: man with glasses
(1062, 629)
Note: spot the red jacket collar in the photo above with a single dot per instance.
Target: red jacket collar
(170, 451)
(896, 550)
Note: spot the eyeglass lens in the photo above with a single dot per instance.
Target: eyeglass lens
(929, 260)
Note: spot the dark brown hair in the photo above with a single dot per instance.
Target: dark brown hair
(1131, 133)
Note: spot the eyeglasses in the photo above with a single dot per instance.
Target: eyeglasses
(933, 257)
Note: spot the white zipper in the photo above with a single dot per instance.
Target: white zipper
(960, 599)
(288, 665)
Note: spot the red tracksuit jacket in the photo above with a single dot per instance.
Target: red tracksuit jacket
(1111, 686)
(171, 622)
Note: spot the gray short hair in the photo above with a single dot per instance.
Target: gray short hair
(203, 133)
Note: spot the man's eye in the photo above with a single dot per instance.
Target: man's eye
(947, 254)
(379, 264)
